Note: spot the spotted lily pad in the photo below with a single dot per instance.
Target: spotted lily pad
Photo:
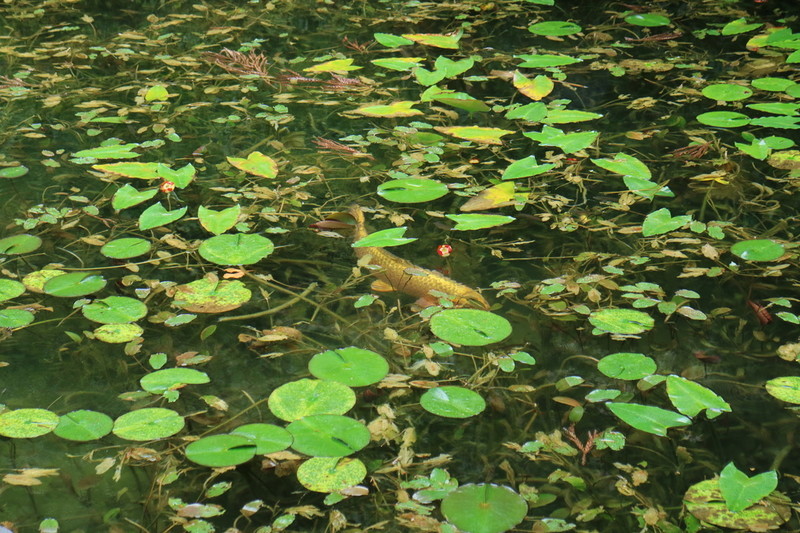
(117, 333)
(785, 160)
(19, 244)
(27, 423)
(149, 423)
(236, 249)
(785, 388)
(115, 310)
(257, 164)
(704, 501)
(305, 397)
(331, 474)
(621, 321)
(210, 295)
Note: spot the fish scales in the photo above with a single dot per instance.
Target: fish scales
(404, 276)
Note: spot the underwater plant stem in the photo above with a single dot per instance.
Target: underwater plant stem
(298, 296)
(273, 310)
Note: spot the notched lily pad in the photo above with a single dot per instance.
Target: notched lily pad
(331, 474)
(211, 295)
(470, 327)
(236, 249)
(705, 502)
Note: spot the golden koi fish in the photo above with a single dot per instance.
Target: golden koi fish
(397, 274)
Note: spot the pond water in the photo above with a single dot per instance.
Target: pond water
(190, 342)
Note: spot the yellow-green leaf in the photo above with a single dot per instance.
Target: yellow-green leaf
(475, 133)
(497, 196)
(335, 65)
(437, 40)
(145, 171)
(535, 89)
(397, 109)
(257, 164)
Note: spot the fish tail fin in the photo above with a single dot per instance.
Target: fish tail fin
(357, 214)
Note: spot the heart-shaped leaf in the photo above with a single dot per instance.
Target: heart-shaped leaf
(740, 491)
(662, 221)
(157, 215)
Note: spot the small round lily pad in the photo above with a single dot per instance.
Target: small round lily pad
(236, 249)
(331, 474)
(125, 248)
(10, 289)
(452, 402)
(758, 250)
(211, 295)
(786, 388)
(268, 438)
(160, 381)
(19, 244)
(627, 366)
(117, 333)
(149, 423)
(74, 284)
(328, 435)
(352, 366)
(15, 318)
(27, 423)
(304, 397)
(83, 425)
(221, 450)
(115, 310)
(484, 508)
(727, 92)
(470, 327)
(621, 321)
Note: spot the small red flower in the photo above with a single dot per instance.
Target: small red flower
(444, 250)
(167, 187)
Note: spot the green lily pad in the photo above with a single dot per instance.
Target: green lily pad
(210, 295)
(305, 397)
(236, 249)
(625, 164)
(130, 169)
(15, 171)
(385, 238)
(19, 244)
(129, 196)
(115, 310)
(110, 151)
(470, 327)
(546, 60)
(160, 381)
(621, 321)
(723, 119)
(662, 221)
(475, 133)
(328, 435)
(149, 423)
(758, 250)
(477, 221)
(741, 491)
(398, 63)
(627, 366)
(690, 398)
(772, 84)
(569, 116)
(727, 92)
(220, 450)
(268, 438)
(331, 474)
(83, 425)
(452, 402)
(568, 142)
(532, 112)
(525, 168)
(27, 423)
(649, 20)
(704, 501)
(554, 28)
(125, 248)
(256, 164)
(646, 188)
(355, 367)
(396, 109)
(785, 388)
(74, 284)
(15, 318)
(648, 418)
(484, 508)
(10, 289)
(117, 333)
(412, 190)
(777, 108)
(157, 215)
(218, 222)
(391, 41)
(181, 177)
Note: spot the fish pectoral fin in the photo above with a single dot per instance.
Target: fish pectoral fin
(381, 286)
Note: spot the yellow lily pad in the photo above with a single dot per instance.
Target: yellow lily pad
(257, 164)
(475, 133)
(496, 196)
(536, 88)
(397, 109)
(335, 65)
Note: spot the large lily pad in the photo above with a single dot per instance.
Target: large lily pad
(484, 508)
(470, 327)
(236, 249)
(305, 397)
(452, 402)
(149, 423)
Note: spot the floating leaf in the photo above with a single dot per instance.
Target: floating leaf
(662, 221)
(484, 508)
(741, 491)
(568, 116)
(114, 310)
(217, 222)
(331, 474)
(352, 366)
(391, 41)
(772, 84)
(13, 172)
(475, 133)
(157, 215)
(328, 435)
(499, 195)
(10, 289)
(739, 26)
(436, 40)
(181, 177)
(236, 249)
(785, 388)
(535, 89)
(117, 333)
(412, 190)
(554, 28)
(385, 238)
(649, 20)
(625, 164)
(452, 402)
(568, 142)
(220, 450)
(149, 423)
(455, 99)
(758, 250)
(110, 151)
(727, 92)
(470, 327)
(305, 397)
(19, 244)
(161, 381)
(723, 119)
(451, 68)
(533, 112)
(156, 92)
(15, 318)
(785, 160)
(335, 65)
(648, 418)
(398, 63)
(125, 248)
(525, 168)
(396, 109)
(626, 365)
(546, 60)
(704, 500)
(777, 108)
(690, 398)
(27, 423)
(210, 295)
(83, 425)
(144, 171)
(268, 438)
(128, 196)
(473, 222)
(621, 321)
(256, 164)
(74, 284)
